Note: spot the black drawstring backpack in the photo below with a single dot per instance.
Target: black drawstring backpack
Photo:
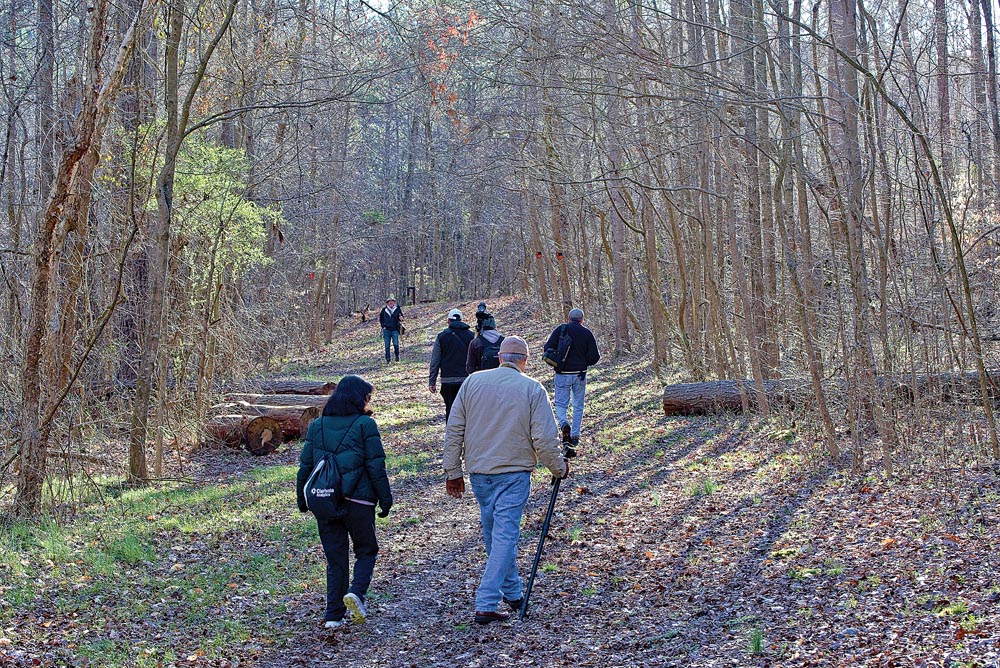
(324, 491)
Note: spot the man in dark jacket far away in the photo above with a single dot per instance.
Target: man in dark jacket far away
(571, 378)
(451, 350)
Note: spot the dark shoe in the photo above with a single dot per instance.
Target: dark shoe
(492, 616)
(571, 443)
(514, 605)
(565, 433)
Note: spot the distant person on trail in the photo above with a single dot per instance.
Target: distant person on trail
(500, 427)
(451, 349)
(571, 376)
(390, 318)
(481, 315)
(347, 429)
(484, 351)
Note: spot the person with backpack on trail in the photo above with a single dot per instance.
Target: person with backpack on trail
(448, 357)
(481, 315)
(501, 426)
(391, 320)
(571, 375)
(346, 429)
(484, 351)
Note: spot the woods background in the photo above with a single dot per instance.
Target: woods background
(749, 189)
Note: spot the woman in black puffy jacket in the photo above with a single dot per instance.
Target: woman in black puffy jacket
(347, 429)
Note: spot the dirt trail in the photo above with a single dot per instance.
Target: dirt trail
(676, 543)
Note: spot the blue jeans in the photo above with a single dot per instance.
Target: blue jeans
(387, 336)
(566, 385)
(501, 498)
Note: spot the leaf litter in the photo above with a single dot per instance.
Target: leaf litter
(690, 541)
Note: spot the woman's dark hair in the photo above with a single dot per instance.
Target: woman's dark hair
(350, 397)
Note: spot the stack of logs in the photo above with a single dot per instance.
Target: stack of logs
(280, 411)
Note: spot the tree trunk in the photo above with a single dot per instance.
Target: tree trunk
(87, 132)
(176, 124)
(991, 86)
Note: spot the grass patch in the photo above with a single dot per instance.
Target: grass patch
(703, 488)
(952, 609)
(130, 549)
(755, 644)
(411, 463)
(804, 573)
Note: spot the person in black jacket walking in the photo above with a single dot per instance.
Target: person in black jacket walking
(451, 350)
(484, 351)
(571, 378)
(391, 317)
(347, 429)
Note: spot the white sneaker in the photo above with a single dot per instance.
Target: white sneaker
(356, 608)
(334, 624)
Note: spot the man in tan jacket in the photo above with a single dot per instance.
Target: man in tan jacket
(501, 425)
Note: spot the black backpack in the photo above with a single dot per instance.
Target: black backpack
(490, 359)
(324, 490)
(556, 357)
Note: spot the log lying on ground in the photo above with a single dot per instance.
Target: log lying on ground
(293, 386)
(292, 420)
(724, 395)
(260, 434)
(308, 415)
(317, 400)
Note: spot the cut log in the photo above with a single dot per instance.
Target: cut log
(289, 418)
(317, 400)
(260, 434)
(724, 395)
(294, 386)
(308, 415)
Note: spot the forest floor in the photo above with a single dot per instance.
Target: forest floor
(689, 541)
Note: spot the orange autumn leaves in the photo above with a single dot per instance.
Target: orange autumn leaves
(445, 34)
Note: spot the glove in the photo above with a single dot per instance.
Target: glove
(303, 508)
(455, 487)
(566, 474)
(432, 388)
(384, 508)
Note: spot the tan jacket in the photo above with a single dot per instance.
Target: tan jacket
(501, 422)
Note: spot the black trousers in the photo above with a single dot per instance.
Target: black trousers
(448, 392)
(359, 526)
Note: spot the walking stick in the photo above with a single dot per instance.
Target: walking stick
(541, 542)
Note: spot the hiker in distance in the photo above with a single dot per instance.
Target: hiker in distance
(481, 315)
(451, 349)
(347, 430)
(501, 426)
(484, 351)
(571, 375)
(391, 320)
